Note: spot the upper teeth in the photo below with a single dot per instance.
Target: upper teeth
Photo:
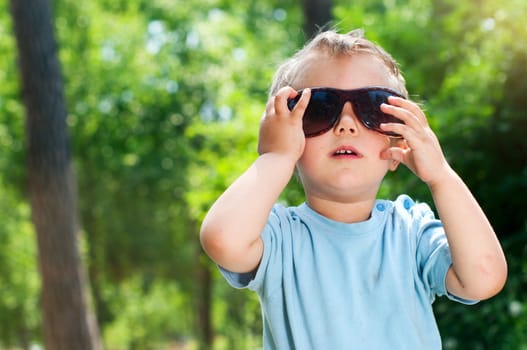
(345, 151)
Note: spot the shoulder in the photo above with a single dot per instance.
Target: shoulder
(291, 214)
(406, 206)
(281, 223)
(281, 213)
(408, 215)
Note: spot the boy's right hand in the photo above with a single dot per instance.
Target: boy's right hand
(281, 129)
(231, 230)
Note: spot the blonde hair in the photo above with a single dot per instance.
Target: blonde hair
(334, 45)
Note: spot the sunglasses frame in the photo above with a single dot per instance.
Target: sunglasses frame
(354, 96)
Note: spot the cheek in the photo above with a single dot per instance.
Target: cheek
(379, 145)
(305, 162)
(311, 156)
(381, 142)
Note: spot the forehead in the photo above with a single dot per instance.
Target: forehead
(345, 72)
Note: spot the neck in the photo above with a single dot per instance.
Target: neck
(348, 212)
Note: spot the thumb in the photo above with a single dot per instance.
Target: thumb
(393, 153)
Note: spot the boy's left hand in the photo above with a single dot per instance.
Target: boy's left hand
(420, 150)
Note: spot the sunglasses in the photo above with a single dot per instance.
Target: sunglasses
(325, 106)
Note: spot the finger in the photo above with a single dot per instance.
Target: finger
(406, 131)
(409, 105)
(281, 101)
(401, 143)
(270, 106)
(406, 116)
(395, 153)
(302, 103)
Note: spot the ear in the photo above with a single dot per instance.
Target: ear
(393, 164)
(395, 153)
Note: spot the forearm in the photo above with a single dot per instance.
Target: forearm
(231, 230)
(478, 261)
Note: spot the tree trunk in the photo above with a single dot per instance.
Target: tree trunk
(317, 14)
(67, 320)
(204, 302)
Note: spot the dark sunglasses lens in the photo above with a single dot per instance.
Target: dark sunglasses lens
(321, 113)
(368, 108)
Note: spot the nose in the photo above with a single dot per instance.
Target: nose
(348, 122)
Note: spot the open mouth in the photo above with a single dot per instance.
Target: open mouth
(346, 152)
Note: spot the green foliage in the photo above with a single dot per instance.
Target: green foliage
(19, 283)
(147, 311)
(237, 315)
(11, 109)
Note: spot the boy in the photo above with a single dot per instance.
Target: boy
(345, 270)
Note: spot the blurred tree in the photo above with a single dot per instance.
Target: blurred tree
(67, 320)
(19, 279)
(317, 15)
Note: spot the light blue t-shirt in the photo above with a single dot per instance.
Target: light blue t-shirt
(324, 284)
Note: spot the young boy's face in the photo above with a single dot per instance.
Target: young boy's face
(344, 164)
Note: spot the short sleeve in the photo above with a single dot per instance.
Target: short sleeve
(433, 253)
(271, 236)
(237, 280)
